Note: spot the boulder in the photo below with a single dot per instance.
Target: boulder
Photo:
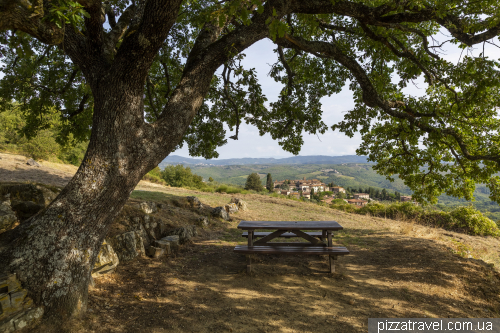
(155, 252)
(202, 221)
(32, 162)
(184, 233)
(242, 205)
(163, 244)
(173, 240)
(26, 209)
(194, 202)
(149, 207)
(231, 208)
(7, 216)
(137, 225)
(106, 261)
(27, 199)
(220, 212)
(127, 245)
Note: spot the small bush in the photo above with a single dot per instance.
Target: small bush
(230, 189)
(474, 222)
(466, 219)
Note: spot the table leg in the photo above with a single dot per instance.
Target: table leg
(250, 237)
(249, 263)
(329, 234)
(332, 264)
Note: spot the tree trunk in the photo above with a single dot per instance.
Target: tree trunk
(53, 253)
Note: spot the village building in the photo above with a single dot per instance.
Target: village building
(405, 198)
(365, 196)
(284, 192)
(303, 185)
(357, 202)
(327, 200)
(337, 189)
(408, 198)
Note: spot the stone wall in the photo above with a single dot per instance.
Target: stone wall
(16, 310)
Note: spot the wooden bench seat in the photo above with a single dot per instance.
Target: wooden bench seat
(259, 234)
(332, 252)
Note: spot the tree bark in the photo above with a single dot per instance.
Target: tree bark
(53, 253)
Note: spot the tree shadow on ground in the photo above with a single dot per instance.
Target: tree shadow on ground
(205, 288)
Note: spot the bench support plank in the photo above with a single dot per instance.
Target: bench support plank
(269, 237)
(311, 239)
(332, 252)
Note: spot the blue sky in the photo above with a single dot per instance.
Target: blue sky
(250, 144)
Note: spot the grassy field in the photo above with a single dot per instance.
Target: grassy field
(394, 269)
(350, 175)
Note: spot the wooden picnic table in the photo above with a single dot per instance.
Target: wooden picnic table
(260, 242)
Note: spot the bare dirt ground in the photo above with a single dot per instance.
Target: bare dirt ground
(395, 269)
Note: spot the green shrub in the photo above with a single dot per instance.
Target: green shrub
(254, 183)
(345, 207)
(179, 176)
(474, 222)
(466, 219)
(44, 144)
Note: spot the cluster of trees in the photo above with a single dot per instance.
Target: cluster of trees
(254, 183)
(49, 143)
(383, 195)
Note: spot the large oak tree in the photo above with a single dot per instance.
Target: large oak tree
(141, 78)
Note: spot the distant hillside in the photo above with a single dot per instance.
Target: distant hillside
(315, 159)
(352, 175)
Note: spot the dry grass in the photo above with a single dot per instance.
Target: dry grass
(59, 166)
(395, 269)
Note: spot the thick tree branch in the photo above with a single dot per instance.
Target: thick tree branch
(289, 71)
(17, 14)
(81, 107)
(373, 99)
(118, 30)
(402, 54)
(145, 42)
(149, 89)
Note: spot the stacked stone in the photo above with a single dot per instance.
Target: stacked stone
(164, 246)
(16, 310)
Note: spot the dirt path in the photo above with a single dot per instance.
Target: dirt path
(396, 269)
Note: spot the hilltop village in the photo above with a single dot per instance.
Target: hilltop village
(306, 188)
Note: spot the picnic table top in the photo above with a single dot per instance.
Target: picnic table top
(290, 225)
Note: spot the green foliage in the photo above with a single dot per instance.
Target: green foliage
(179, 176)
(444, 142)
(43, 146)
(254, 183)
(464, 219)
(154, 176)
(269, 183)
(67, 12)
(230, 189)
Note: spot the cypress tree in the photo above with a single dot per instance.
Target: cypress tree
(269, 183)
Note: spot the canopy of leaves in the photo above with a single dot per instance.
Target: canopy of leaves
(46, 145)
(179, 176)
(269, 183)
(254, 182)
(446, 141)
